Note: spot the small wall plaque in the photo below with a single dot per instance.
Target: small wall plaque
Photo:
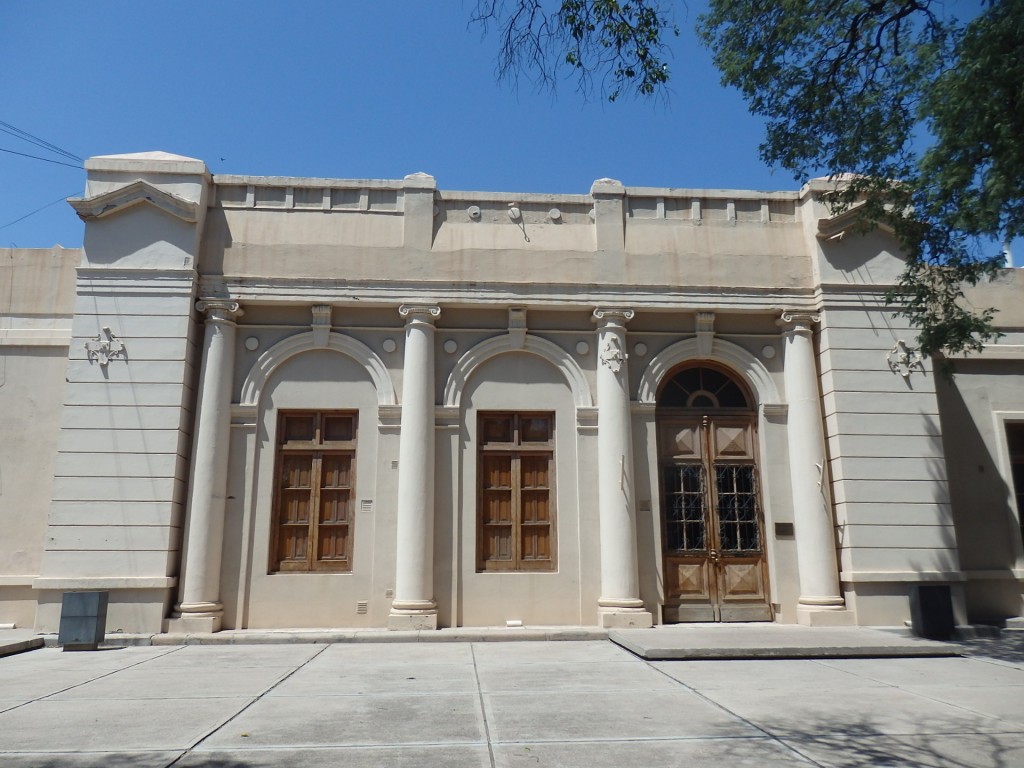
(784, 530)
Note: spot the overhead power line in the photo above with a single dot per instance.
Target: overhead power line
(44, 159)
(33, 139)
(37, 210)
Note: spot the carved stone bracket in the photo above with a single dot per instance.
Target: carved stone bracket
(705, 333)
(101, 350)
(904, 360)
(321, 325)
(517, 327)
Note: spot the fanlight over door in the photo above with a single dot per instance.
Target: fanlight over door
(712, 527)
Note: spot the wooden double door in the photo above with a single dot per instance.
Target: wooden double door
(712, 527)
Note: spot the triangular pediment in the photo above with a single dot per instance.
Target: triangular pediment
(137, 193)
(839, 225)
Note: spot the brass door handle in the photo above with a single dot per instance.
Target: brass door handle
(713, 555)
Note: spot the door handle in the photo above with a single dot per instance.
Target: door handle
(713, 555)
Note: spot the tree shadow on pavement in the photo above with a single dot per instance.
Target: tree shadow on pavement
(1009, 646)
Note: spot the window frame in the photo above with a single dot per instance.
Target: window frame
(318, 448)
(1015, 458)
(516, 449)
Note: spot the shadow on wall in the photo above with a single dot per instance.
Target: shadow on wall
(982, 518)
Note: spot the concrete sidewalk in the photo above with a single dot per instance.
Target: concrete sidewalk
(588, 703)
(696, 641)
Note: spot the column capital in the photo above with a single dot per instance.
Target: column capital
(424, 313)
(612, 316)
(797, 321)
(223, 310)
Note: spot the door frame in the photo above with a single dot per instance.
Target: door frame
(709, 575)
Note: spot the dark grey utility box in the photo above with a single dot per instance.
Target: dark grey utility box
(83, 620)
(931, 611)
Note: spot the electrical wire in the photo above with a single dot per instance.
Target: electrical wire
(32, 139)
(37, 210)
(44, 159)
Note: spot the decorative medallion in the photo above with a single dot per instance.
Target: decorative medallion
(904, 360)
(612, 355)
(100, 350)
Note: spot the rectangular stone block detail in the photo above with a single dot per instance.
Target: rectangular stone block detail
(870, 402)
(889, 513)
(117, 488)
(128, 393)
(103, 563)
(853, 559)
(85, 327)
(124, 417)
(891, 491)
(898, 536)
(880, 381)
(129, 306)
(917, 446)
(881, 339)
(840, 359)
(124, 441)
(137, 513)
(919, 425)
(851, 468)
(130, 372)
(154, 465)
(112, 537)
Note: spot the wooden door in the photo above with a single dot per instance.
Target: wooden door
(713, 532)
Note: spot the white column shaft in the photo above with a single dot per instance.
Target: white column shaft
(414, 588)
(815, 537)
(619, 580)
(200, 589)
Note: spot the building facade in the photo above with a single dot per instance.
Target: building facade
(259, 402)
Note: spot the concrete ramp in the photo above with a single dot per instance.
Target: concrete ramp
(773, 641)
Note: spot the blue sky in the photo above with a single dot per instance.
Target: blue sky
(338, 89)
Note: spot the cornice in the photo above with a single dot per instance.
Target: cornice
(136, 193)
(837, 226)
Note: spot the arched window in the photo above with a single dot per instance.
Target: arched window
(702, 387)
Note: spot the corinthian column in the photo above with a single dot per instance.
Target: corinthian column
(200, 608)
(619, 604)
(812, 515)
(414, 606)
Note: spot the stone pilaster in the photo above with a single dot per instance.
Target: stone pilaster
(200, 607)
(812, 514)
(619, 604)
(414, 606)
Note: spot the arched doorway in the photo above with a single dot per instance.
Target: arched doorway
(713, 541)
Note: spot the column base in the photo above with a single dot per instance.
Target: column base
(412, 621)
(190, 624)
(624, 618)
(821, 616)
(195, 617)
